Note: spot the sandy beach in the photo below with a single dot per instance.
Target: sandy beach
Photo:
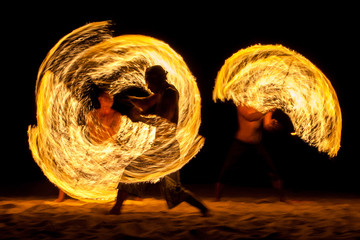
(242, 214)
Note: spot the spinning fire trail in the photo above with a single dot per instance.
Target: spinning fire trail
(60, 142)
(272, 76)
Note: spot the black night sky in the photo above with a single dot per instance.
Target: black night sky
(205, 36)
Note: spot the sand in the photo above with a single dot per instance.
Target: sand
(243, 214)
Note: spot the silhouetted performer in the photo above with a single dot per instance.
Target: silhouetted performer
(163, 103)
(248, 140)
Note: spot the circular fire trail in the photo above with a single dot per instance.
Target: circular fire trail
(60, 142)
(271, 76)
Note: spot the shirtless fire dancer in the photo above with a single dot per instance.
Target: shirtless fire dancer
(248, 138)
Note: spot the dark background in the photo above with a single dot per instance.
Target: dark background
(205, 35)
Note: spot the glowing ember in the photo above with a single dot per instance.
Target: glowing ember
(61, 144)
(272, 76)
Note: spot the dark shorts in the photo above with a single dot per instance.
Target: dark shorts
(239, 151)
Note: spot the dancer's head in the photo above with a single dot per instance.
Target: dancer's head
(155, 77)
(106, 100)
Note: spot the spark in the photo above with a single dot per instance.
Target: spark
(272, 76)
(60, 142)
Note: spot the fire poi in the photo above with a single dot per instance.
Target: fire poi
(90, 56)
(272, 76)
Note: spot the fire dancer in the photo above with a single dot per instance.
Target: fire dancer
(248, 140)
(163, 103)
(102, 123)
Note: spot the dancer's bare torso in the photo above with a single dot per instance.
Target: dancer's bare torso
(251, 123)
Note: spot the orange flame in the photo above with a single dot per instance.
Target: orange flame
(272, 76)
(59, 142)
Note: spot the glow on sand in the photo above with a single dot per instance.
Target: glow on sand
(60, 144)
(272, 76)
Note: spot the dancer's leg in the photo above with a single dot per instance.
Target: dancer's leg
(120, 198)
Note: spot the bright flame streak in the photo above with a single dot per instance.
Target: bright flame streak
(272, 76)
(60, 142)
